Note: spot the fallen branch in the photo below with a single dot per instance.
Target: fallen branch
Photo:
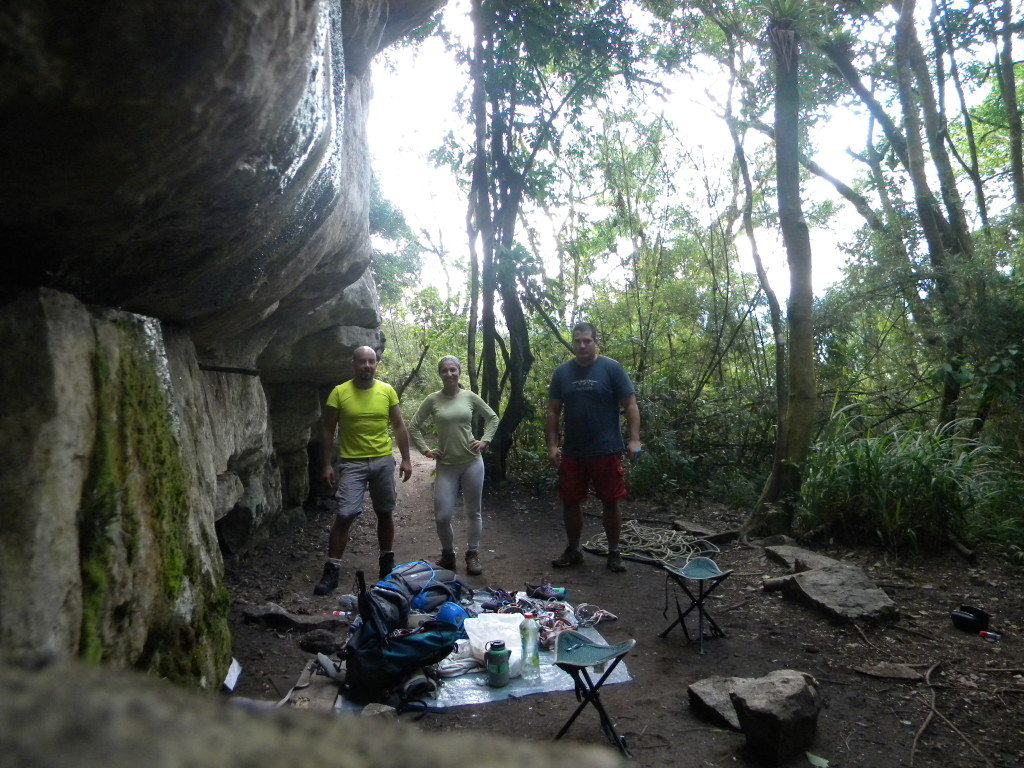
(864, 637)
(967, 554)
(740, 604)
(946, 720)
(912, 631)
(931, 712)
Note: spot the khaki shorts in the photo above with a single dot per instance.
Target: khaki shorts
(355, 476)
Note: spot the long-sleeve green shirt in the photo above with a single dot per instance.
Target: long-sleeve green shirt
(453, 418)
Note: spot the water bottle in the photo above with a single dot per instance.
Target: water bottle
(496, 658)
(529, 633)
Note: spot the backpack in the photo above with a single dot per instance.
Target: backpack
(378, 661)
(429, 586)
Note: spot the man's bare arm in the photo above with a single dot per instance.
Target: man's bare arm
(554, 431)
(633, 424)
(402, 437)
(330, 426)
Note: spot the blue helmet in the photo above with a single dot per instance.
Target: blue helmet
(453, 613)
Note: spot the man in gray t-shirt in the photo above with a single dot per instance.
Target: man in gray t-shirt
(590, 391)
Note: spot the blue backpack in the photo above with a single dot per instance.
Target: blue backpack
(429, 587)
(379, 659)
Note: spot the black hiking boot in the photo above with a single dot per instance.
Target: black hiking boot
(329, 581)
(447, 560)
(386, 562)
(473, 567)
(570, 557)
(615, 564)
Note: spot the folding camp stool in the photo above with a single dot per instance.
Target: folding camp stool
(707, 575)
(574, 652)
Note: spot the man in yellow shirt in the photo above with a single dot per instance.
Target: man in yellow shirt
(361, 410)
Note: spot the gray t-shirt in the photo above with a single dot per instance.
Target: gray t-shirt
(591, 400)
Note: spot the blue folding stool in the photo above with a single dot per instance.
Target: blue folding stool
(707, 575)
(574, 652)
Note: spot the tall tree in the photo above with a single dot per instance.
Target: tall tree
(534, 66)
(797, 422)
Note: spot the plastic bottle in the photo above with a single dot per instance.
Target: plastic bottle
(529, 633)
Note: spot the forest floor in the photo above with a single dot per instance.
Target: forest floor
(969, 711)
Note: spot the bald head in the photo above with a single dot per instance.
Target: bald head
(364, 366)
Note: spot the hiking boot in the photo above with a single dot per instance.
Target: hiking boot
(570, 557)
(447, 560)
(329, 581)
(386, 561)
(615, 564)
(473, 563)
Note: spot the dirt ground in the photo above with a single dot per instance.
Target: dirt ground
(970, 711)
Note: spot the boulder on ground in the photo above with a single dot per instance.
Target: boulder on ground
(778, 714)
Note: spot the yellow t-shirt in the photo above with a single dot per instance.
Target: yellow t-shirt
(363, 418)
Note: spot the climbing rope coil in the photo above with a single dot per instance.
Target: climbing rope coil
(647, 543)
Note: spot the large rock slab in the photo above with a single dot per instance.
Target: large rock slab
(203, 168)
(798, 559)
(207, 162)
(842, 592)
(107, 546)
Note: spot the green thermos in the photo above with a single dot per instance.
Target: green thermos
(496, 658)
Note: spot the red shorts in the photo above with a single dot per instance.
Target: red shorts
(605, 472)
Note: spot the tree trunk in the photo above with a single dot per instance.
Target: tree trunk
(478, 211)
(797, 421)
(758, 519)
(481, 201)
(940, 236)
(1008, 92)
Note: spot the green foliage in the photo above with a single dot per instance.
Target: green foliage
(906, 489)
(396, 252)
(628, 228)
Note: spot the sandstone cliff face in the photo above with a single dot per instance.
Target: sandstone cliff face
(185, 197)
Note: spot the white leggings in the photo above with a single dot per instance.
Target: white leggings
(447, 479)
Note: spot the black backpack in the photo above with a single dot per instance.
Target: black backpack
(428, 586)
(377, 659)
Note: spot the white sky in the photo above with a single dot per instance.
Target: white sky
(413, 109)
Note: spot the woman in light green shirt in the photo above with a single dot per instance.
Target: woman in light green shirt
(459, 462)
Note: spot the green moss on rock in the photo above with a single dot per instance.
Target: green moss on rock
(139, 491)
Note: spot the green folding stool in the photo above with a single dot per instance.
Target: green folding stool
(574, 653)
(708, 576)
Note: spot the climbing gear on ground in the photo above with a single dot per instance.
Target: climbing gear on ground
(473, 567)
(570, 557)
(544, 591)
(588, 615)
(329, 581)
(650, 544)
(453, 613)
(499, 599)
(447, 560)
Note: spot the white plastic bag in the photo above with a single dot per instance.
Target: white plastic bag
(486, 627)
